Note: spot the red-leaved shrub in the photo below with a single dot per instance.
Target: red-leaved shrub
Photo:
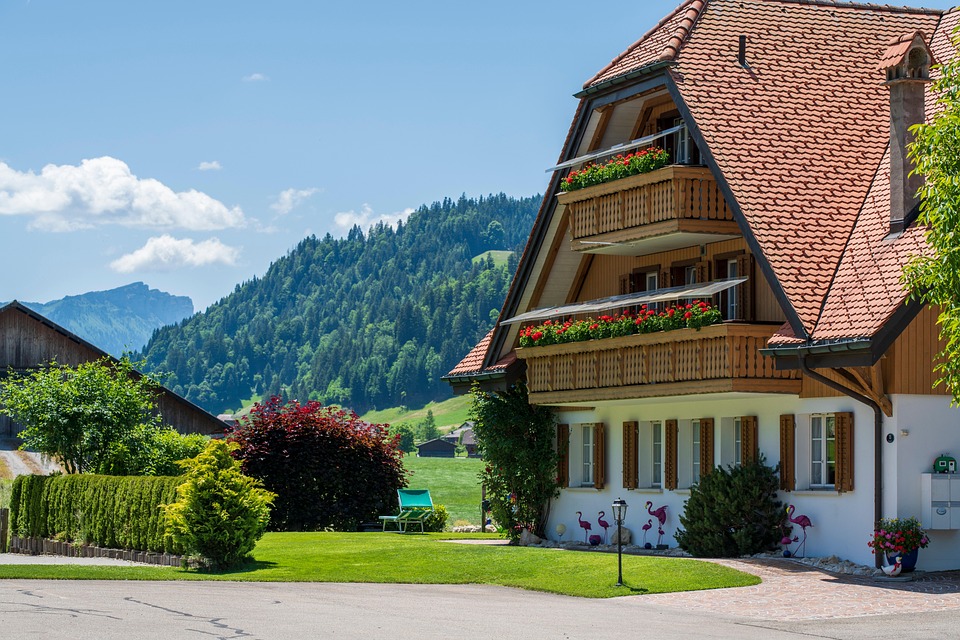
(327, 466)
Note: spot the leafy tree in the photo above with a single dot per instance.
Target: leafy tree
(427, 428)
(220, 513)
(405, 437)
(327, 467)
(517, 442)
(733, 512)
(96, 417)
(935, 278)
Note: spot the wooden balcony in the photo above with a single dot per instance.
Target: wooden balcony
(677, 206)
(717, 359)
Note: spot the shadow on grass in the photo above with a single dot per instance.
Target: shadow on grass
(246, 567)
(634, 591)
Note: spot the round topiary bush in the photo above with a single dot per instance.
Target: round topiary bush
(733, 512)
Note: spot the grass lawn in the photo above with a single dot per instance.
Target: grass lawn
(426, 559)
(449, 413)
(499, 257)
(453, 482)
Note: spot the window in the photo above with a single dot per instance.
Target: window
(585, 464)
(738, 440)
(657, 432)
(823, 451)
(731, 306)
(818, 450)
(586, 479)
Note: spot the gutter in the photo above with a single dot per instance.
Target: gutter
(627, 77)
(841, 346)
(802, 353)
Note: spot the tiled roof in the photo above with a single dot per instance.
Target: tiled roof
(472, 363)
(657, 45)
(897, 49)
(785, 337)
(799, 133)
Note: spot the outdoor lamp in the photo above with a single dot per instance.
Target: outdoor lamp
(619, 513)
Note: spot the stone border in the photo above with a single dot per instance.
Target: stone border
(45, 546)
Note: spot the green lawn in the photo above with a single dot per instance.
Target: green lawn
(427, 559)
(499, 257)
(453, 482)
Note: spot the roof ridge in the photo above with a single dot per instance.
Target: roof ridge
(681, 33)
(847, 4)
(673, 47)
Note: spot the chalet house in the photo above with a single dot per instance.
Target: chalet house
(28, 340)
(787, 202)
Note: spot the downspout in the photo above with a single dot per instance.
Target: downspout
(877, 439)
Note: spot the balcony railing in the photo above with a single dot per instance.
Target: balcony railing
(675, 199)
(716, 359)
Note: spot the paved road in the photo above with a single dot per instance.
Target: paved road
(166, 610)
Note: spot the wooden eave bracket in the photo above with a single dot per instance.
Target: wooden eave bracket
(867, 381)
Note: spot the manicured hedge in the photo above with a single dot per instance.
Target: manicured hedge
(121, 512)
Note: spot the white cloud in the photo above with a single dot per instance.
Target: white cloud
(345, 220)
(213, 165)
(103, 191)
(290, 199)
(255, 77)
(166, 253)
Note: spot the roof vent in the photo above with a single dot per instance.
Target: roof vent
(906, 65)
(742, 53)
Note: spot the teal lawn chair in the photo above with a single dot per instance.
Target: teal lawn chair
(415, 507)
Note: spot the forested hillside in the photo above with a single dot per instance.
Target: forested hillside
(372, 320)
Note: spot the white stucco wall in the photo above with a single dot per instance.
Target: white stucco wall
(842, 524)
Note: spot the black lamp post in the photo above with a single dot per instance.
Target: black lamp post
(619, 513)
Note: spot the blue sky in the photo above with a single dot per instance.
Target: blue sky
(189, 144)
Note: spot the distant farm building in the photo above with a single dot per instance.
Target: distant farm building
(437, 448)
(29, 341)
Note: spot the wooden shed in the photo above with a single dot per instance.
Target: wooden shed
(437, 448)
(29, 341)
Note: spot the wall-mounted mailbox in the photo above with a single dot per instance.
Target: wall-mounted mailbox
(940, 496)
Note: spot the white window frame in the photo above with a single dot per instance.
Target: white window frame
(819, 457)
(587, 444)
(737, 442)
(656, 448)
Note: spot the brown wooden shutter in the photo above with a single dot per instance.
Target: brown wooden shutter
(844, 440)
(563, 455)
(670, 454)
(703, 271)
(599, 456)
(664, 280)
(625, 284)
(748, 439)
(631, 455)
(745, 269)
(706, 446)
(788, 452)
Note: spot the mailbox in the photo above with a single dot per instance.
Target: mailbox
(940, 495)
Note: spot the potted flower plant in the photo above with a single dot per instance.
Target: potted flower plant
(900, 537)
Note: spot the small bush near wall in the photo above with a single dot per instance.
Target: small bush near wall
(733, 512)
(110, 511)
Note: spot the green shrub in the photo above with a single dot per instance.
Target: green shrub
(436, 521)
(733, 512)
(108, 511)
(220, 513)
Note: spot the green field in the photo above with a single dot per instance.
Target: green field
(452, 482)
(447, 414)
(427, 559)
(499, 257)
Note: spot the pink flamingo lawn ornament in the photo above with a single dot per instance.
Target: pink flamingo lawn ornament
(660, 536)
(603, 523)
(660, 514)
(585, 524)
(647, 527)
(803, 522)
